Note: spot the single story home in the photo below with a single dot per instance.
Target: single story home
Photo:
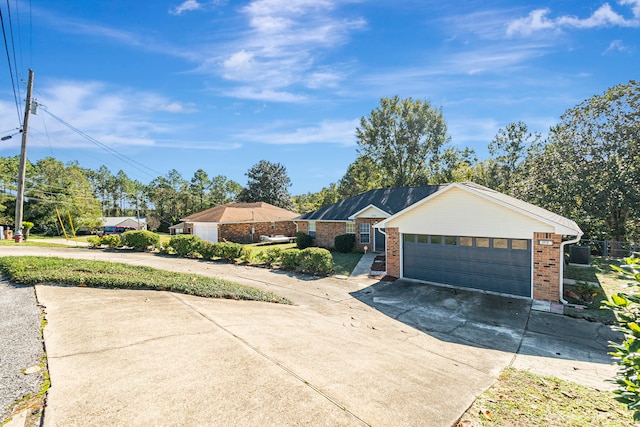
(459, 234)
(240, 222)
(140, 223)
(176, 229)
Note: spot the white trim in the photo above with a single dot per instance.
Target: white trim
(559, 228)
(384, 214)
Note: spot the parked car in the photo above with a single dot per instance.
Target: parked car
(119, 229)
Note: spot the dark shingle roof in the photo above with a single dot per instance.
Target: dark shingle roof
(390, 200)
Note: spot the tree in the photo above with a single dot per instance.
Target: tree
(199, 188)
(454, 165)
(590, 168)
(268, 182)
(362, 175)
(510, 148)
(223, 190)
(310, 202)
(403, 138)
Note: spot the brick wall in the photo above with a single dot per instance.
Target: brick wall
(546, 267)
(303, 227)
(393, 252)
(326, 233)
(241, 232)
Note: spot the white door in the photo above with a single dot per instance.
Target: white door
(206, 231)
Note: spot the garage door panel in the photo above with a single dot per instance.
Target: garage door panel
(492, 269)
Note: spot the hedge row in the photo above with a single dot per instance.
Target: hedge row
(309, 260)
(141, 240)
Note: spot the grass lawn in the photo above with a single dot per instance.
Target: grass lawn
(343, 264)
(520, 398)
(608, 282)
(29, 270)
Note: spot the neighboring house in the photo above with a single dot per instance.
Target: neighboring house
(240, 222)
(140, 223)
(176, 229)
(460, 234)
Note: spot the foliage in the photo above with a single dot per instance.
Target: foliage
(403, 138)
(36, 270)
(310, 202)
(627, 309)
(589, 170)
(111, 240)
(303, 240)
(27, 225)
(344, 242)
(268, 182)
(94, 241)
(362, 175)
(187, 245)
(228, 251)
(315, 261)
(206, 249)
(141, 240)
(289, 259)
(272, 256)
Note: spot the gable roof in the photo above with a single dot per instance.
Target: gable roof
(242, 212)
(561, 224)
(112, 221)
(389, 200)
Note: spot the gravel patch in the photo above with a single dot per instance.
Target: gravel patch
(20, 345)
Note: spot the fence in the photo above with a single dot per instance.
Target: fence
(611, 248)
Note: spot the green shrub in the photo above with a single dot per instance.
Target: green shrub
(94, 241)
(250, 257)
(315, 261)
(228, 251)
(272, 256)
(141, 240)
(206, 249)
(111, 240)
(344, 243)
(289, 259)
(186, 245)
(303, 240)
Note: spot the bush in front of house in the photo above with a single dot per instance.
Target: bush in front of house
(228, 251)
(94, 241)
(315, 261)
(303, 240)
(186, 245)
(272, 256)
(111, 240)
(344, 243)
(141, 240)
(289, 259)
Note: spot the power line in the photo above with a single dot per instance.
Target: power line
(13, 83)
(13, 45)
(139, 166)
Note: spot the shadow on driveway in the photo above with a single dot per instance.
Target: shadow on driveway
(489, 321)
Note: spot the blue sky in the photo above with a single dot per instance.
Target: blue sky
(222, 84)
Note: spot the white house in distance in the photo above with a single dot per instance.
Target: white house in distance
(140, 223)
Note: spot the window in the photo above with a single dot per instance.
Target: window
(519, 244)
(423, 238)
(273, 225)
(501, 243)
(312, 229)
(435, 240)
(466, 241)
(450, 240)
(365, 233)
(410, 238)
(351, 228)
(482, 242)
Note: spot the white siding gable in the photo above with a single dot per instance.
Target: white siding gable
(206, 231)
(372, 212)
(457, 212)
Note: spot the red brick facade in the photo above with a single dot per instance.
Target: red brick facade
(546, 266)
(242, 232)
(393, 252)
(326, 233)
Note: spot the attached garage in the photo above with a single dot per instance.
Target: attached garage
(469, 236)
(488, 264)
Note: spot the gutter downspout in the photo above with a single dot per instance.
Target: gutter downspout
(562, 245)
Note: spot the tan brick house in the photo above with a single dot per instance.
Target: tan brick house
(460, 234)
(241, 222)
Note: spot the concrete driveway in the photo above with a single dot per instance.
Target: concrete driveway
(347, 352)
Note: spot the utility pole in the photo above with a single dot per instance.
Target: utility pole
(23, 157)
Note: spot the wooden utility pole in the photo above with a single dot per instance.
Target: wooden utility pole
(23, 156)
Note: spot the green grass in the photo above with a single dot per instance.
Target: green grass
(520, 398)
(608, 282)
(34, 270)
(31, 242)
(345, 263)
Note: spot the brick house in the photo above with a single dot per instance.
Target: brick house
(240, 222)
(460, 234)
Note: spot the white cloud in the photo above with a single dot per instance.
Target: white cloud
(186, 6)
(604, 16)
(325, 132)
(246, 92)
(616, 46)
